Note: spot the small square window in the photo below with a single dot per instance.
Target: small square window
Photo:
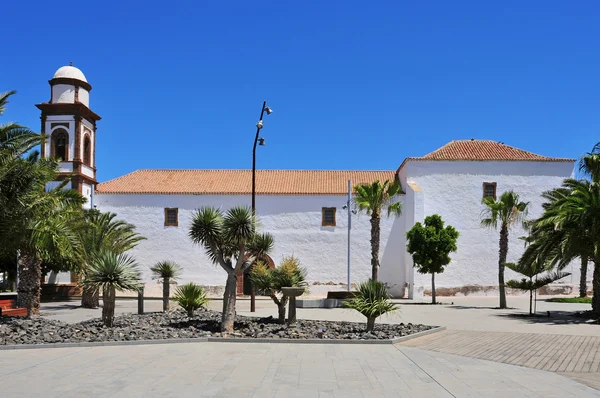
(328, 217)
(171, 217)
(489, 190)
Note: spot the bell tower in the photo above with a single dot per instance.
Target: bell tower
(70, 128)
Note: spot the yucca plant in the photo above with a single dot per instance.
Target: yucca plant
(270, 281)
(167, 272)
(109, 272)
(372, 300)
(190, 297)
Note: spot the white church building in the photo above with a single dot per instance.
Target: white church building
(302, 209)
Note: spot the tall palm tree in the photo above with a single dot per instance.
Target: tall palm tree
(109, 272)
(167, 272)
(230, 241)
(96, 232)
(507, 211)
(374, 199)
(35, 223)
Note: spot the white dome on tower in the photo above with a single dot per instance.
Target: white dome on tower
(70, 72)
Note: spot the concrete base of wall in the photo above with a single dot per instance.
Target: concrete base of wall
(319, 303)
(479, 290)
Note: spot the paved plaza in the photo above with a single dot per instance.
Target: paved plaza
(269, 370)
(484, 353)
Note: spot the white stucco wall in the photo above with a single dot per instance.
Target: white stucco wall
(86, 192)
(84, 96)
(454, 190)
(295, 222)
(63, 93)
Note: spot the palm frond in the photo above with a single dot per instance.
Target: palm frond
(112, 270)
(166, 269)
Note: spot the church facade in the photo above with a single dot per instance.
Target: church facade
(304, 209)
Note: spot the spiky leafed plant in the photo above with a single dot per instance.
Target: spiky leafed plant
(371, 300)
(230, 241)
(96, 232)
(374, 199)
(507, 211)
(190, 297)
(271, 281)
(168, 272)
(111, 272)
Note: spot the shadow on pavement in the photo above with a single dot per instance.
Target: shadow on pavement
(553, 318)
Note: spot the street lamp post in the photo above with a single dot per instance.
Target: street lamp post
(261, 142)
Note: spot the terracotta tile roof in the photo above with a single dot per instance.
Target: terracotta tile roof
(482, 150)
(239, 182)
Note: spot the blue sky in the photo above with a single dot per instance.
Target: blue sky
(354, 85)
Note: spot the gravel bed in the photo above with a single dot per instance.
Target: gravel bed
(176, 324)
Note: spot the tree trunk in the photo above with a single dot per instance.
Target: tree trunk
(281, 309)
(501, 261)
(229, 297)
(583, 277)
(596, 287)
(375, 233)
(30, 283)
(531, 302)
(370, 323)
(166, 293)
(108, 306)
(90, 298)
(433, 288)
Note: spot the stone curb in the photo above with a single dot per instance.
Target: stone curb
(218, 340)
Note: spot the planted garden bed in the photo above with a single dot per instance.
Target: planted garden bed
(176, 324)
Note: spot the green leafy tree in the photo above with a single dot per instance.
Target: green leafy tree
(371, 300)
(190, 297)
(230, 241)
(507, 211)
(271, 281)
(374, 199)
(112, 272)
(430, 246)
(97, 232)
(168, 272)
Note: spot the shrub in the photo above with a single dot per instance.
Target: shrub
(372, 301)
(190, 297)
(270, 281)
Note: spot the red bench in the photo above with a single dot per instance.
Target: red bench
(7, 308)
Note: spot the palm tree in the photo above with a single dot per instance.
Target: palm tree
(167, 272)
(540, 255)
(35, 224)
(231, 241)
(508, 211)
(109, 272)
(575, 214)
(374, 199)
(96, 232)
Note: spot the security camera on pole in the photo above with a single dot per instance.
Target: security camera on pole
(261, 142)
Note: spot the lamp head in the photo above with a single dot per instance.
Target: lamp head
(268, 110)
(261, 141)
(259, 125)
